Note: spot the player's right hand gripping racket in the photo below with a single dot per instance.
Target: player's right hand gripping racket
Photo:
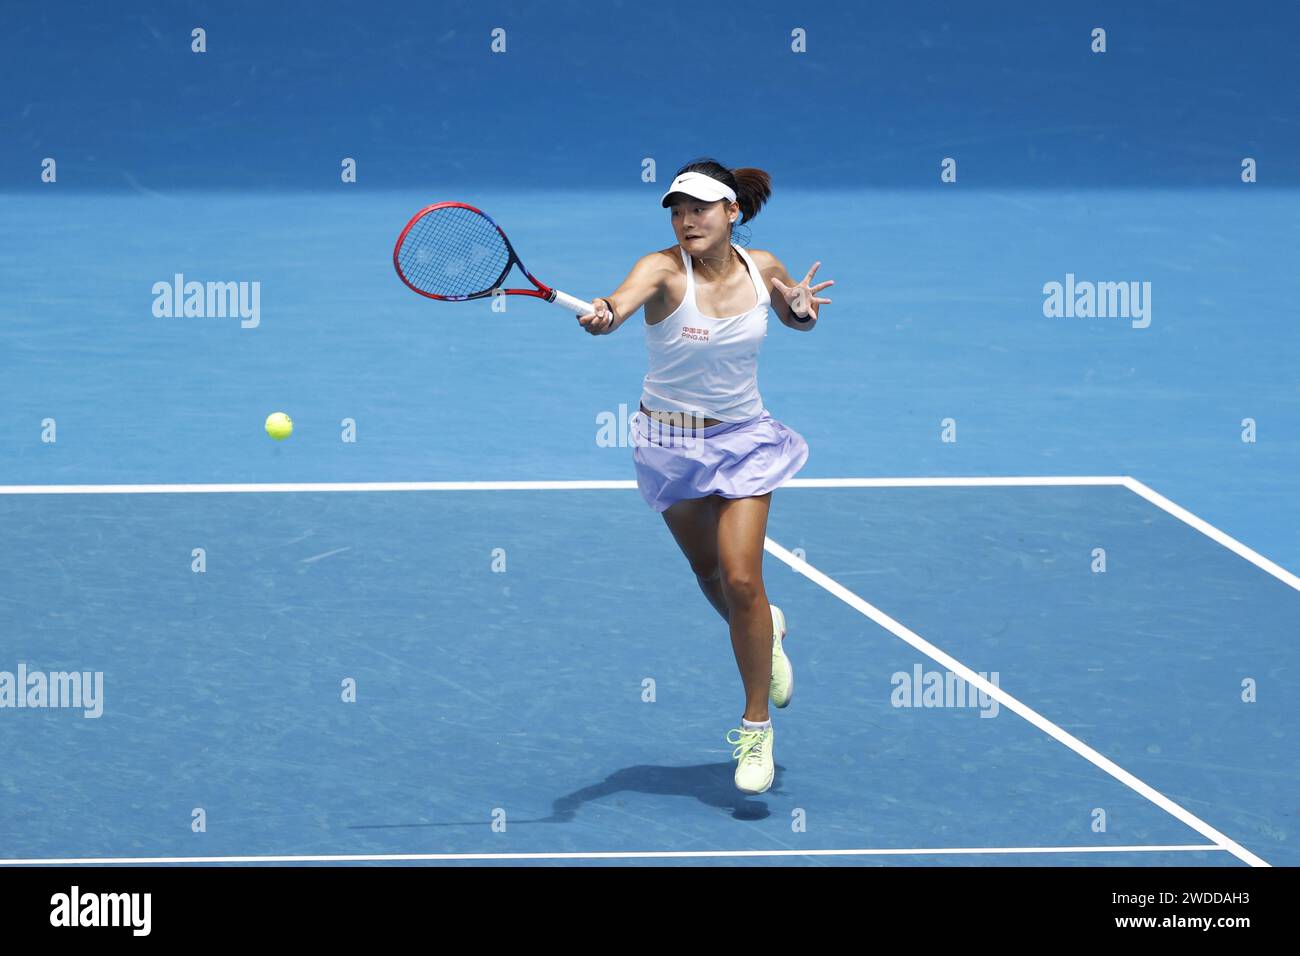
(452, 251)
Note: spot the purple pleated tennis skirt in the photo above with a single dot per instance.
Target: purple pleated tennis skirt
(732, 459)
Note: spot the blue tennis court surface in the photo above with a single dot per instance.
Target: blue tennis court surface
(500, 673)
(388, 638)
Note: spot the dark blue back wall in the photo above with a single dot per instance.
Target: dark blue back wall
(412, 91)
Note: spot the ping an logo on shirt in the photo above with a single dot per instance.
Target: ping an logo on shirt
(696, 335)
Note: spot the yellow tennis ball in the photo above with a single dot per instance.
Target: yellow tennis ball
(279, 426)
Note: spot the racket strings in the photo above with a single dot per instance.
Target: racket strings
(454, 253)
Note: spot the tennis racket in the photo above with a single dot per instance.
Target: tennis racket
(453, 252)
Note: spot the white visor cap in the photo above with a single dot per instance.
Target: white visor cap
(701, 187)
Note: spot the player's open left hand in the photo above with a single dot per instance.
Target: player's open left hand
(803, 298)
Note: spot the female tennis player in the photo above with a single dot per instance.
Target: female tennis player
(708, 454)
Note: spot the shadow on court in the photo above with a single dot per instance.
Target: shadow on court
(711, 784)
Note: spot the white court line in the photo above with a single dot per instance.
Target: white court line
(304, 486)
(1035, 718)
(1009, 481)
(649, 855)
(1210, 531)
(620, 484)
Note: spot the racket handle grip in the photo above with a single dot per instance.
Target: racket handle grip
(564, 300)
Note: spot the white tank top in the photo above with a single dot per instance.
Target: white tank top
(699, 363)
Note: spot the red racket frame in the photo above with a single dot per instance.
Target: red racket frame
(543, 291)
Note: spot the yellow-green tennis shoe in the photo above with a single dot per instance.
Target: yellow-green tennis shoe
(782, 687)
(755, 766)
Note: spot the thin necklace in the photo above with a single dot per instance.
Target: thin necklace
(714, 278)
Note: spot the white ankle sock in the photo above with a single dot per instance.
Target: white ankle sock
(755, 725)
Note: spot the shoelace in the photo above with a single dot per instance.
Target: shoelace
(750, 744)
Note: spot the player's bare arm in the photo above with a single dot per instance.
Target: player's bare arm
(646, 281)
